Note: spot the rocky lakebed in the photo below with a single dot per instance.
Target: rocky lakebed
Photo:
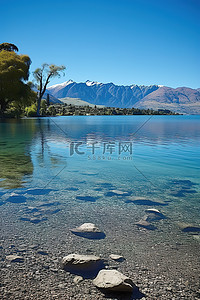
(135, 247)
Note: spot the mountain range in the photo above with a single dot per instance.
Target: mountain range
(182, 99)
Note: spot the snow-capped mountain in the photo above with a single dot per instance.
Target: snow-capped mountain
(182, 99)
(102, 94)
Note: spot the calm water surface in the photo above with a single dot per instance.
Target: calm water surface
(64, 157)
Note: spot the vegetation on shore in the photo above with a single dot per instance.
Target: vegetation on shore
(73, 110)
(16, 94)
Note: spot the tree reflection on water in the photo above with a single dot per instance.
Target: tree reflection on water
(15, 160)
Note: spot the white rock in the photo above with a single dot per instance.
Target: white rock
(86, 227)
(113, 280)
(77, 279)
(88, 230)
(120, 193)
(14, 258)
(154, 215)
(77, 261)
(196, 237)
(153, 211)
(116, 257)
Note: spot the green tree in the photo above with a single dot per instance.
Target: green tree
(42, 76)
(14, 71)
(8, 47)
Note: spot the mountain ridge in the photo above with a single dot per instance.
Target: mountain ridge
(181, 99)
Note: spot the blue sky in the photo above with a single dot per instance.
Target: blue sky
(120, 41)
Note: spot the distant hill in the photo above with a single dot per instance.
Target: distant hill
(52, 99)
(77, 102)
(182, 99)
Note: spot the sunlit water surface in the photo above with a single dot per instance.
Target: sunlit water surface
(65, 158)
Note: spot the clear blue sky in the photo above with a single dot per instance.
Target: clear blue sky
(120, 41)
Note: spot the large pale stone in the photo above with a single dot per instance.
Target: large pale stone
(113, 280)
(88, 230)
(153, 211)
(117, 257)
(117, 193)
(120, 193)
(185, 227)
(78, 264)
(14, 258)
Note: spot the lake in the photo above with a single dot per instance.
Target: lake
(58, 173)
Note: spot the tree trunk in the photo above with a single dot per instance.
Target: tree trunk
(41, 92)
(38, 106)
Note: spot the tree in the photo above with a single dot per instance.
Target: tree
(14, 71)
(42, 76)
(8, 47)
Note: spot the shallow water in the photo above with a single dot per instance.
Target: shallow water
(139, 154)
(73, 166)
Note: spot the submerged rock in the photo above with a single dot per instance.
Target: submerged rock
(154, 215)
(53, 203)
(144, 201)
(89, 173)
(113, 280)
(185, 227)
(71, 189)
(14, 258)
(41, 210)
(182, 182)
(89, 231)
(107, 185)
(50, 211)
(145, 224)
(120, 193)
(16, 198)
(42, 252)
(189, 191)
(86, 198)
(117, 193)
(31, 209)
(182, 192)
(34, 220)
(38, 191)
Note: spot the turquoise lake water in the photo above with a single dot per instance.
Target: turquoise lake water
(64, 158)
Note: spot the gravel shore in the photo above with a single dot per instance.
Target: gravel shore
(163, 263)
